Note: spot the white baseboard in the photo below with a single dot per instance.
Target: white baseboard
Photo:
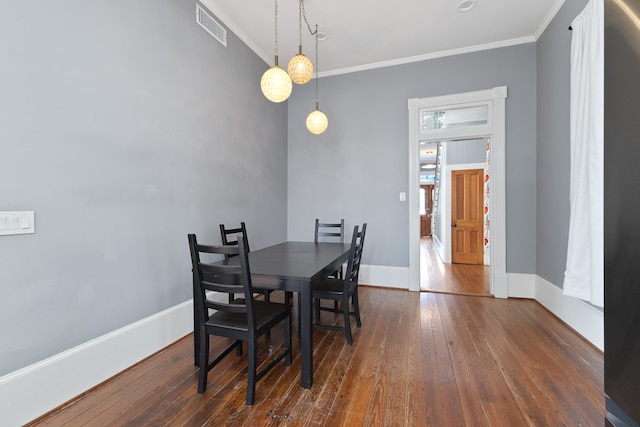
(521, 285)
(584, 318)
(388, 277)
(37, 389)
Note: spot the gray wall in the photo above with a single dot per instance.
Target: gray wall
(554, 49)
(358, 167)
(124, 126)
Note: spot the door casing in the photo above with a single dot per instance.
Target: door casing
(495, 129)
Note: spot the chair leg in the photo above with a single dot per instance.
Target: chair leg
(267, 298)
(204, 361)
(339, 276)
(356, 307)
(239, 348)
(253, 363)
(197, 345)
(287, 340)
(317, 304)
(347, 321)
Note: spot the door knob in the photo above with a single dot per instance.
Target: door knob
(454, 225)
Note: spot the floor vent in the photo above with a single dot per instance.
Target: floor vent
(210, 25)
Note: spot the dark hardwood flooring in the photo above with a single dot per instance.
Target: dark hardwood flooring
(459, 279)
(419, 359)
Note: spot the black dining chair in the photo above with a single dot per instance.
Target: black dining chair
(330, 231)
(342, 289)
(231, 236)
(243, 319)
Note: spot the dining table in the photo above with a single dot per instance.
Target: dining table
(295, 267)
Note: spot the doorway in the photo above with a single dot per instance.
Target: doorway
(460, 215)
(427, 121)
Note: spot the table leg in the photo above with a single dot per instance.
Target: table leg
(306, 335)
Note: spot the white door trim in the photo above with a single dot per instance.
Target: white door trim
(495, 129)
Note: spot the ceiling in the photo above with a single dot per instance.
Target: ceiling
(428, 154)
(364, 34)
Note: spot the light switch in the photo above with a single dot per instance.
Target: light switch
(17, 223)
(403, 196)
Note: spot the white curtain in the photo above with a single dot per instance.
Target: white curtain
(584, 275)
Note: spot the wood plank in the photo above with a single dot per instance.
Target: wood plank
(418, 359)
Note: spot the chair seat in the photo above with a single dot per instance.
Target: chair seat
(267, 315)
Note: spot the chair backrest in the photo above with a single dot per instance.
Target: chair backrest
(331, 230)
(353, 266)
(212, 281)
(230, 236)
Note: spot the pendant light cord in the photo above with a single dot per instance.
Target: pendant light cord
(313, 33)
(276, 29)
(302, 11)
(300, 4)
(316, 33)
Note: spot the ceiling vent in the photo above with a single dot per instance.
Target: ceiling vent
(210, 25)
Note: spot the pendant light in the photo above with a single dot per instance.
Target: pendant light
(276, 83)
(317, 121)
(300, 68)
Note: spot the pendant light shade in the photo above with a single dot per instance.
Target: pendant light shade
(300, 68)
(276, 84)
(317, 122)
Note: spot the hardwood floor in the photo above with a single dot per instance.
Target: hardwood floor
(419, 359)
(460, 279)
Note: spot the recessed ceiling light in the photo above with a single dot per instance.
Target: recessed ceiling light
(466, 5)
(322, 36)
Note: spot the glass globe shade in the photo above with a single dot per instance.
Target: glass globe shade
(276, 84)
(317, 122)
(300, 69)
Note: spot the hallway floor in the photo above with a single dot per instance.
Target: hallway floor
(461, 279)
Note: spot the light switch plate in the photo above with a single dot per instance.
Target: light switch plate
(17, 223)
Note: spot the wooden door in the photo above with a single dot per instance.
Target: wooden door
(467, 217)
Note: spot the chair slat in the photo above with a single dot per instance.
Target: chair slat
(329, 229)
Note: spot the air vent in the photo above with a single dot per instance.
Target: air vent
(210, 25)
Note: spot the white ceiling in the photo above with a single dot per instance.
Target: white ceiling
(368, 34)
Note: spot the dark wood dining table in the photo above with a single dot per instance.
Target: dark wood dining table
(295, 267)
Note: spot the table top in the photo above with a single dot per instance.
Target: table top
(297, 260)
